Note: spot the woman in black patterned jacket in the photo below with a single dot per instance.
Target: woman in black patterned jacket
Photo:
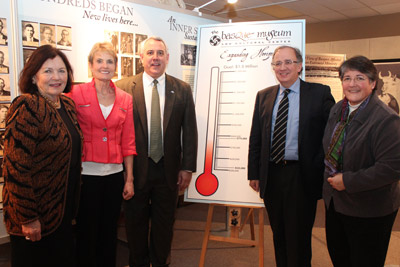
(42, 163)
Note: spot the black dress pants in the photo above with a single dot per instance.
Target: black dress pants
(355, 241)
(56, 249)
(291, 214)
(150, 217)
(99, 210)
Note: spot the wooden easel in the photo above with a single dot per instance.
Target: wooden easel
(235, 230)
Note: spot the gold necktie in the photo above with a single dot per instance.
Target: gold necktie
(156, 149)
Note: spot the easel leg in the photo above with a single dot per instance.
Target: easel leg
(250, 218)
(253, 236)
(206, 235)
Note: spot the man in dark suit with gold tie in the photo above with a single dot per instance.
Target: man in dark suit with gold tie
(285, 161)
(166, 143)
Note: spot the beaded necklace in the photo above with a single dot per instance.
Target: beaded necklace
(56, 104)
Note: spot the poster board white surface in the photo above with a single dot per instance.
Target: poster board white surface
(234, 63)
(94, 21)
(324, 68)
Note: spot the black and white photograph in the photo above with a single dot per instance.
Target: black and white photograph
(64, 37)
(4, 60)
(5, 94)
(188, 55)
(47, 34)
(3, 32)
(1, 147)
(112, 37)
(30, 33)
(138, 39)
(126, 43)
(388, 86)
(126, 67)
(26, 53)
(138, 66)
(3, 112)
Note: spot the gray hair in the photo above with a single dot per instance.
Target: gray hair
(155, 38)
(299, 57)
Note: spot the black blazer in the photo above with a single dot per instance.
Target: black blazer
(179, 128)
(315, 104)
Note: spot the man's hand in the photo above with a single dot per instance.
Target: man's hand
(184, 178)
(255, 184)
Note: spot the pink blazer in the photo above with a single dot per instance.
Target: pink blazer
(105, 140)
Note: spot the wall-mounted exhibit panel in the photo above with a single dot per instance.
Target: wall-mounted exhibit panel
(74, 26)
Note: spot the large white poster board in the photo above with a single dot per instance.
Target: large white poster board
(234, 63)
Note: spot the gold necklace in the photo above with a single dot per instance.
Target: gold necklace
(57, 104)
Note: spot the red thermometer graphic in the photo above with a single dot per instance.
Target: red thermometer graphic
(207, 182)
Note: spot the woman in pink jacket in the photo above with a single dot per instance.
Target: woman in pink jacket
(106, 117)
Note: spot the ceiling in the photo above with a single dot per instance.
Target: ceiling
(313, 11)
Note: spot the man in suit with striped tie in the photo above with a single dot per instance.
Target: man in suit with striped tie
(286, 158)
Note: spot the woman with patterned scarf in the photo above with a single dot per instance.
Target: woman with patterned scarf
(362, 170)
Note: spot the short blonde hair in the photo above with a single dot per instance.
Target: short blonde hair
(102, 47)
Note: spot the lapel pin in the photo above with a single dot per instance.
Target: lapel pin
(172, 92)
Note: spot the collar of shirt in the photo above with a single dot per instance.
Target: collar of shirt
(294, 88)
(148, 81)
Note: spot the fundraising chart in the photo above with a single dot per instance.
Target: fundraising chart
(234, 63)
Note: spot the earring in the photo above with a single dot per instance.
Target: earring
(33, 81)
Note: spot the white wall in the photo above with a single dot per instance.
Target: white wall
(373, 48)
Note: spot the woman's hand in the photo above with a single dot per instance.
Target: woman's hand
(128, 190)
(337, 182)
(128, 177)
(32, 231)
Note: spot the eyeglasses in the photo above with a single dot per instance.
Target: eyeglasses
(357, 79)
(286, 62)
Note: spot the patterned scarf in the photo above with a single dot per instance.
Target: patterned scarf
(334, 156)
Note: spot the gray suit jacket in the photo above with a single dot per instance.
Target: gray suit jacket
(371, 162)
(315, 104)
(179, 128)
